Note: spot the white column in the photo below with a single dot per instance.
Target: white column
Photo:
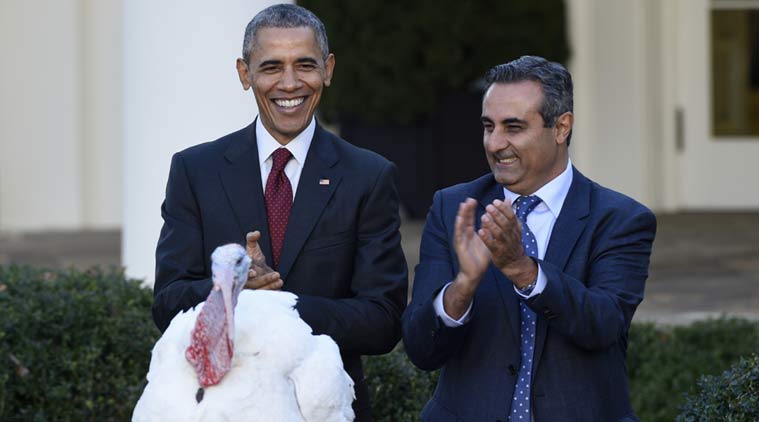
(180, 89)
(581, 65)
(60, 132)
(102, 132)
(40, 115)
(609, 62)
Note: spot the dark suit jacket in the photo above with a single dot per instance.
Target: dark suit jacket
(341, 256)
(596, 264)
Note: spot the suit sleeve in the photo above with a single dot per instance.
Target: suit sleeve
(427, 340)
(180, 281)
(369, 322)
(596, 312)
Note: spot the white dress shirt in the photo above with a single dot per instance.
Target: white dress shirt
(298, 147)
(540, 221)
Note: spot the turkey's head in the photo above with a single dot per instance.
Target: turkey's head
(212, 343)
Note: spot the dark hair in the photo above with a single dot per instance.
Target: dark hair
(553, 78)
(284, 16)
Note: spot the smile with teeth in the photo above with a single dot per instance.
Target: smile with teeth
(289, 103)
(507, 160)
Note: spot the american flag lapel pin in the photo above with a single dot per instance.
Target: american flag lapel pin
(324, 182)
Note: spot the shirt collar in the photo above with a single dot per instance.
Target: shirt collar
(552, 193)
(298, 147)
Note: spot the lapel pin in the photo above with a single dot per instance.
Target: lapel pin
(324, 182)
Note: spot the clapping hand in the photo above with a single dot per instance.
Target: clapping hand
(260, 275)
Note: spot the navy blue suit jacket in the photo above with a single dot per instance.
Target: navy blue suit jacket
(341, 255)
(596, 264)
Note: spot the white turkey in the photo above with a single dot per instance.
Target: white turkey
(271, 369)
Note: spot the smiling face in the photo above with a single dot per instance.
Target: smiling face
(287, 73)
(523, 155)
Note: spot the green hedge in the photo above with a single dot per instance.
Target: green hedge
(397, 388)
(665, 363)
(732, 396)
(75, 346)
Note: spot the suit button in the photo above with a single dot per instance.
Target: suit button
(512, 370)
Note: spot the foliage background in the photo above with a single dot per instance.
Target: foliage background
(732, 396)
(397, 60)
(73, 345)
(409, 78)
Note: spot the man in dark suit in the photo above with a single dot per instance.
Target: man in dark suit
(528, 276)
(327, 211)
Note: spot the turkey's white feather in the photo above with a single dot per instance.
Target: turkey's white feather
(280, 370)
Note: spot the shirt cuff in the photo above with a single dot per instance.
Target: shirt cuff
(440, 310)
(540, 284)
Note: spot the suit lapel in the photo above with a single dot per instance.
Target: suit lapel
(490, 193)
(571, 221)
(241, 179)
(318, 181)
(567, 230)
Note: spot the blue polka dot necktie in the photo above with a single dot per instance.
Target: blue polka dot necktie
(520, 404)
(279, 200)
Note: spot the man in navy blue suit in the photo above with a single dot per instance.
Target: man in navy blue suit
(321, 212)
(528, 276)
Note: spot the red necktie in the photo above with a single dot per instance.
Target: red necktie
(279, 200)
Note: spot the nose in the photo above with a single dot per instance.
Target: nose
(496, 140)
(290, 80)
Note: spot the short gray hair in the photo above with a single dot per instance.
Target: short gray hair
(553, 78)
(284, 16)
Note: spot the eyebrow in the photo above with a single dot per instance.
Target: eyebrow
(512, 120)
(279, 62)
(307, 60)
(269, 63)
(508, 121)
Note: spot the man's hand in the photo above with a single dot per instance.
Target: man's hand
(473, 257)
(471, 252)
(260, 275)
(501, 232)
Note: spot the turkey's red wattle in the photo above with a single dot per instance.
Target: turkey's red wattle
(210, 351)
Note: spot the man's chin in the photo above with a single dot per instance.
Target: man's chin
(500, 177)
(289, 131)
(505, 180)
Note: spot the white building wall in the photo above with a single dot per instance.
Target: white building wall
(180, 89)
(715, 173)
(635, 64)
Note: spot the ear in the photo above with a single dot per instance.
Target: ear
(329, 68)
(242, 72)
(564, 127)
